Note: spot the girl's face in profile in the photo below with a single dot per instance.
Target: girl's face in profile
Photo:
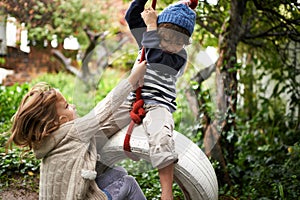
(66, 112)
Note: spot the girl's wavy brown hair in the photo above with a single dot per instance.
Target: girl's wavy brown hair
(36, 117)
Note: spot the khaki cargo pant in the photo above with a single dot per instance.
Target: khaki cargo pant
(158, 124)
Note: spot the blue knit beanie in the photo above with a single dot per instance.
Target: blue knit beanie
(180, 15)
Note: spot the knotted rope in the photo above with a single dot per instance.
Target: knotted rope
(137, 113)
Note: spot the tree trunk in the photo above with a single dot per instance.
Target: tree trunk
(3, 48)
(248, 82)
(219, 136)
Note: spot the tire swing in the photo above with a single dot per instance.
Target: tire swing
(193, 172)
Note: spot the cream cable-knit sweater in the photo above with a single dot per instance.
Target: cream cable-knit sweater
(69, 155)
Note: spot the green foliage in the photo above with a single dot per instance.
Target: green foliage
(267, 151)
(76, 92)
(65, 19)
(64, 82)
(148, 179)
(10, 98)
(266, 158)
(15, 162)
(183, 117)
(2, 61)
(124, 58)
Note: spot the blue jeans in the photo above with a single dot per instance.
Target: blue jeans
(109, 197)
(118, 185)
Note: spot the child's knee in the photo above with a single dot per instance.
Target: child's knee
(162, 151)
(122, 170)
(130, 181)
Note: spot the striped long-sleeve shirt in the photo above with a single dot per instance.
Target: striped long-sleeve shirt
(163, 68)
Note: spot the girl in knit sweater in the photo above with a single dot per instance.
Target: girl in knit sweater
(48, 125)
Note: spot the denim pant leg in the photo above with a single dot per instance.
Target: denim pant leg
(119, 185)
(109, 176)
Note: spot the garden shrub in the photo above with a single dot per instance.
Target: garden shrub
(267, 156)
(10, 98)
(15, 162)
(148, 179)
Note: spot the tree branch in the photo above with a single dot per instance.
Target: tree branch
(286, 27)
(67, 63)
(210, 29)
(205, 73)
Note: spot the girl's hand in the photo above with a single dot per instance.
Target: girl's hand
(136, 77)
(149, 16)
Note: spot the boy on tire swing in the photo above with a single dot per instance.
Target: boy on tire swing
(163, 38)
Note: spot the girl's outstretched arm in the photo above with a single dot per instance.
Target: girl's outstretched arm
(89, 125)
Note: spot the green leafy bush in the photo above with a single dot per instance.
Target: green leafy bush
(15, 162)
(77, 93)
(10, 97)
(148, 179)
(267, 160)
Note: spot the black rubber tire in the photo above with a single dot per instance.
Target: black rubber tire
(193, 173)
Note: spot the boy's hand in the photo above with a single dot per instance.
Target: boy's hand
(149, 16)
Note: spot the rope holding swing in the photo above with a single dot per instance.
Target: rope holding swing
(138, 113)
